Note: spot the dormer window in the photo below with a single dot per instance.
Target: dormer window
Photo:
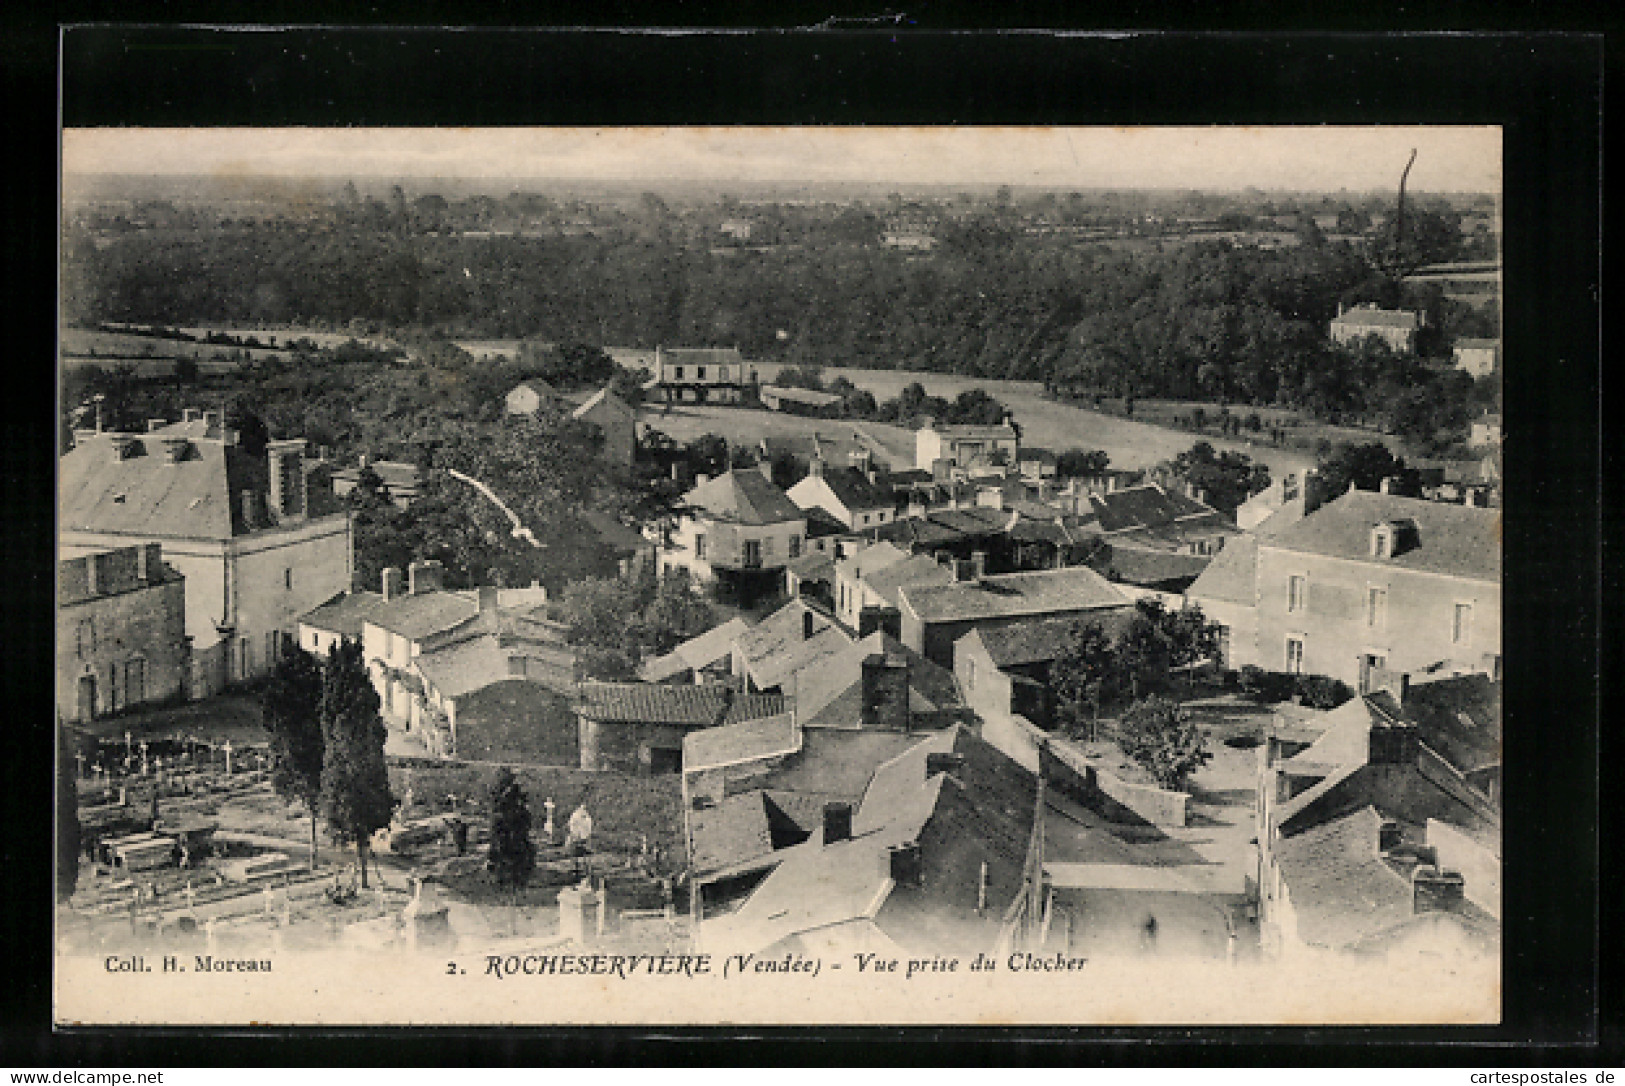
(1382, 541)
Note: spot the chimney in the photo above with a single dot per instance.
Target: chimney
(837, 822)
(248, 506)
(156, 424)
(978, 564)
(488, 598)
(1474, 498)
(949, 762)
(888, 620)
(1436, 891)
(903, 865)
(121, 445)
(815, 466)
(190, 414)
(701, 478)
(766, 468)
(885, 694)
(174, 449)
(149, 562)
(424, 577)
(285, 459)
(1388, 836)
(213, 421)
(808, 627)
(1386, 486)
(1111, 484)
(93, 574)
(1393, 744)
(392, 584)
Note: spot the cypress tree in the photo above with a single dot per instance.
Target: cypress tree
(290, 707)
(512, 853)
(355, 795)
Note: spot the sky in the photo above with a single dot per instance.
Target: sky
(1323, 158)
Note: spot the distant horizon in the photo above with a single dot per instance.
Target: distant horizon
(1285, 160)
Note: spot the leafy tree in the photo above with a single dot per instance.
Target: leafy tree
(1366, 466)
(1085, 676)
(1226, 479)
(1081, 464)
(67, 816)
(708, 454)
(511, 853)
(1162, 739)
(290, 708)
(1143, 648)
(355, 796)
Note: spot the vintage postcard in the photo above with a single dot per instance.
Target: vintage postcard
(714, 576)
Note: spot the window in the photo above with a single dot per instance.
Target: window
(795, 546)
(677, 372)
(1294, 655)
(1297, 590)
(699, 546)
(970, 674)
(135, 681)
(1376, 607)
(85, 636)
(752, 552)
(866, 518)
(1461, 624)
(699, 373)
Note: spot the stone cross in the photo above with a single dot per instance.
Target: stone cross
(547, 827)
(191, 897)
(79, 760)
(144, 765)
(227, 748)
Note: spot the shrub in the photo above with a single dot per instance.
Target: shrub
(1163, 740)
(1323, 691)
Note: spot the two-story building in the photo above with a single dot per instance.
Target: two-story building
(701, 375)
(1373, 582)
(120, 632)
(1395, 327)
(257, 544)
(965, 447)
(847, 494)
(736, 534)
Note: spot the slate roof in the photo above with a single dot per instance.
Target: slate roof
(734, 831)
(801, 395)
(427, 613)
(1008, 595)
(1148, 506)
(344, 614)
(1340, 887)
(478, 662)
(872, 559)
(818, 566)
(1151, 568)
(916, 570)
(697, 652)
(745, 498)
(931, 685)
(1460, 717)
(701, 356)
(603, 395)
(142, 495)
(686, 706)
(820, 523)
(710, 748)
(1455, 540)
(854, 490)
(1360, 317)
(1232, 575)
(967, 432)
(777, 647)
(1039, 641)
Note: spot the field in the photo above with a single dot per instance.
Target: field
(1044, 423)
(747, 426)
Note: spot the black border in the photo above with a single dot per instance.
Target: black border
(1545, 89)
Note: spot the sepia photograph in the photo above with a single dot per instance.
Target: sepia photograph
(780, 576)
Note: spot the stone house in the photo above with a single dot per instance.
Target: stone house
(736, 534)
(257, 543)
(120, 632)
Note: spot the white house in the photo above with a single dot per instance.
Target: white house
(737, 533)
(966, 447)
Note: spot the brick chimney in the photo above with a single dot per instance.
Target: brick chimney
(837, 822)
(392, 584)
(424, 577)
(1436, 891)
(885, 694)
